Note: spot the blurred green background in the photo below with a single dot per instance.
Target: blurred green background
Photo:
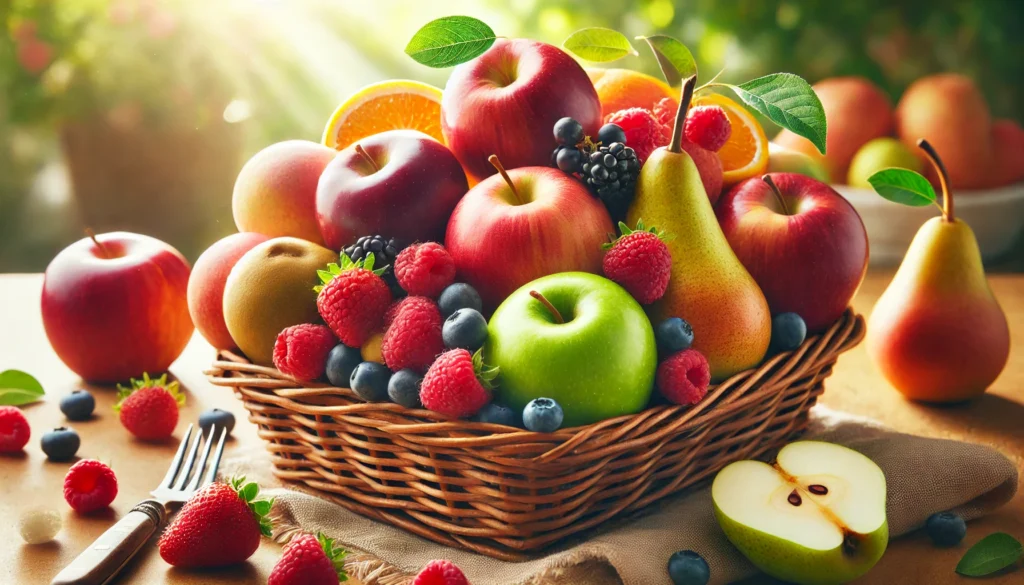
(137, 114)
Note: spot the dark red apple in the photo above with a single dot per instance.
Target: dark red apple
(116, 307)
(529, 223)
(400, 184)
(804, 244)
(506, 102)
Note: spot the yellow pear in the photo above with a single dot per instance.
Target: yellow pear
(709, 287)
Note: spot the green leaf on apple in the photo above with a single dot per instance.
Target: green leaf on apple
(17, 388)
(449, 41)
(790, 102)
(992, 553)
(674, 58)
(903, 186)
(599, 45)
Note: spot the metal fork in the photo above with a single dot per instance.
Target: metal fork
(104, 559)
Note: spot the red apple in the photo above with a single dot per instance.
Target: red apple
(400, 184)
(506, 102)
(805, 245)
(115, 307)
(525, 224)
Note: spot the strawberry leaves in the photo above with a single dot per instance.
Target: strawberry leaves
(172, 388)
(335, 554)
(486, 374)
(260, 507)
(333, 269)
(625, 230)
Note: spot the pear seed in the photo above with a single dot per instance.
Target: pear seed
(794, 498)
(818, 490)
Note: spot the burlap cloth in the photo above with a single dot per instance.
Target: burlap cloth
(924, 476)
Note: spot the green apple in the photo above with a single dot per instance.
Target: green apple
(814, 517)
(878, 154)
(577, 338)
(785, 160)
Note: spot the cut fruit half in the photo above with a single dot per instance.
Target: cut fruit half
(396, 104)
(745, 154)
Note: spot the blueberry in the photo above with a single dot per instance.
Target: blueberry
(569, 160)
(688, 568)
(568, 132)
(610, 133)
(788, 332)
(78, 405)
(404, 388)
(945, 528)
(370, 381)
(543, 415)
(60, 444)
(673, 334)
(499, 415)
(459, 296)
(222, 419)
(341, 362)
(465, 328)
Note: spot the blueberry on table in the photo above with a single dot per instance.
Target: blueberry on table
(466, 329)
(788, 332)
(499, 415)
(673, 334)
(60, 444)
(568, 132)
(222, 419)
(945, 528)
(78, 405)
(404, 388)
(341, 362)
(370, 381)
(688, 568)
(543, 415)
(459, 296)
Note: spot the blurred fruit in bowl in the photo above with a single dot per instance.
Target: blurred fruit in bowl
(115, 305)
(745, 154)
(275, 193)
(856, 111)
(1008, 143)
(206, 285)
(395, 104)
(878, 154)
(785, 160)
(506, 101)
(620, 89)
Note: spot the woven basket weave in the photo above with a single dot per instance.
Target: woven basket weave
(506, 492)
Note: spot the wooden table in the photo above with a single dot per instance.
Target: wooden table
(996, 419)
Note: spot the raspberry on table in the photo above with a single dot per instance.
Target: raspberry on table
(707, 127)
(14, 430)
(440, 572)
(643, 131)
(458, 384)
(683, 377)
(148, 408)
(353, 299)
(89, 485)
(425, 269)
(301, 351)
(414, 337)
(640, 262)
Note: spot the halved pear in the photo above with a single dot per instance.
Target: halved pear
(814, 517)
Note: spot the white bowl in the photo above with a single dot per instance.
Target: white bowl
(995, 215)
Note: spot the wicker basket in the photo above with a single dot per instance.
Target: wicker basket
(505, 492)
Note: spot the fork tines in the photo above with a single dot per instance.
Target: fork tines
(183, 479)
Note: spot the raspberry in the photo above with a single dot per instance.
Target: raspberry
(442, 572)
(301, 351)
(683, 377)
(425, 269)
(353, 299)
(665, 112)
(309, 560)
(89, 485)
(643, 131)
(14, 430)
(413, 339)
(457, 384)
(707, 127)
(640, 262)
(395, 307)
(148, 408)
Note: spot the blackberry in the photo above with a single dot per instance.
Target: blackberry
(385, 251)
(610, 173)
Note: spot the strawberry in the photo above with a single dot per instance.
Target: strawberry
(353, 299)
(220, 525)
(310, 560)
(148, 408)
(458, 384)
(639, 261)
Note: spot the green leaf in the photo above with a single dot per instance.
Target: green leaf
(449, 41)
(249, 491)
(992, 553)
(903, 186)
(599, 45)
(17, 388)
(674, 58)
(789, 101)
(262, 507)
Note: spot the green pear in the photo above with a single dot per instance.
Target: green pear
(708, 286)
(814, 517)
(787, 160)
(878, 154)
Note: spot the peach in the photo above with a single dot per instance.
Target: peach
(275, 193)
(619, 89)
(206, 285)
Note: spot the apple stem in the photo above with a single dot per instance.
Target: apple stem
(493, 159)
(676, 145)
(550, 307)
(940, 168)
(99, 244)
(778, 194)
(361, 152)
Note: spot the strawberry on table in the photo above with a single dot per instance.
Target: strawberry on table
(220, 525)
(310, 560)
(639, 261)
(353, 299)
(148, 408)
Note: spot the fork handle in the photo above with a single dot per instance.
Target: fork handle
(104, 559)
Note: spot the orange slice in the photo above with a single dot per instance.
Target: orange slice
(745, 155)
(396, 104)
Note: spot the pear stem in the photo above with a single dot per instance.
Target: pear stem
(676, 145)
(940, 168)
(548, 305)
(366, 156)
(493, 159)
(778, 194)
(99, 244)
